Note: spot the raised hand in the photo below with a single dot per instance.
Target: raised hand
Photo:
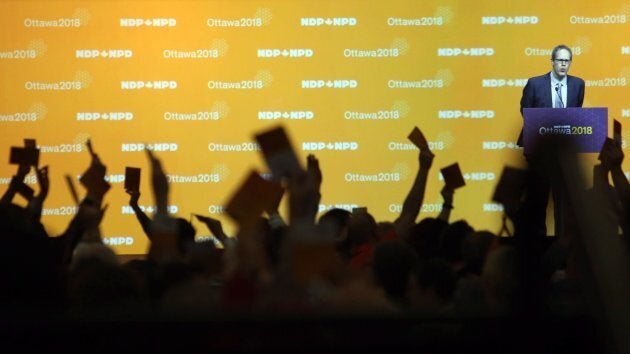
(304, 195)
(93, 178)
(36, 204)
(159, 184)
(313, 170)
(143, 219)
(44, 183)
(215, 227)
(90, 148)
(134, 197)
(611, 155)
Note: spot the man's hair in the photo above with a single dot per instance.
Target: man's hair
(557, 48)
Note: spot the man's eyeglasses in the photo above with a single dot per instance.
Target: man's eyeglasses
(562, 61)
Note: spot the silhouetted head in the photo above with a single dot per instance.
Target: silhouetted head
(362, 229)
(451, 240)
(436, 275)
(335, 222)
(392, 265)
(475, 249)
(424, 237)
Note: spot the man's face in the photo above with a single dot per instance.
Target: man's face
(561, 63)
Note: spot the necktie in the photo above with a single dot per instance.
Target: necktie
(558, 101)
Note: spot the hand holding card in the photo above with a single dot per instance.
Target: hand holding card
(426, 156)
(278, 152)
(254, 196)
(418, 139)
(132, 179)
(453, 177)
(214, 226)
(24, 156)
(94, 181)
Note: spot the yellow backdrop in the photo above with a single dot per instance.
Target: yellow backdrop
(349, 79)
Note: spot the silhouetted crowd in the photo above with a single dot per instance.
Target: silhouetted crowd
(427, 282)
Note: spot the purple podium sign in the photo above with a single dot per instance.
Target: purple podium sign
(587, 128)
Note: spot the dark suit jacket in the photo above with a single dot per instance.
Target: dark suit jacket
(537, 94)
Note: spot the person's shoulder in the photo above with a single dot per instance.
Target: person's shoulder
(576, 79)
(540, 77)
(536, 81)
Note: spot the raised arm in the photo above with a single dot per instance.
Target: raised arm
(163, 230)
(415, 197)
(447, 206)
(215, 227)
(36, 204)
(83, 227)
(612, 156)
(159, 184)
(275, 219)
(304, 193)
(142, 217)
(16, 183)
(94, 178)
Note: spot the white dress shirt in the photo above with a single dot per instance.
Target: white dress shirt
(563, 90)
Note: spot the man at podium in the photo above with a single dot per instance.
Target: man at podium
(555, 89)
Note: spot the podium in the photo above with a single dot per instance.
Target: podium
(586, 128)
